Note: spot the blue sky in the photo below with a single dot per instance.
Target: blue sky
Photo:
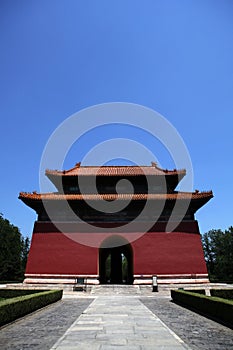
(174, 56)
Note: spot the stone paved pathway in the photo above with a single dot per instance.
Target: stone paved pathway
(197, 331)
(116, 322)
(40, 330)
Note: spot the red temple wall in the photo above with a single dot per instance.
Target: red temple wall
(54, 253)
(169, 253)
(155, 252)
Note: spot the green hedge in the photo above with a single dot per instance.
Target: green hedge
(12, 293)
(217, 308)
(197, 291)
(222, 293)
(13, 308)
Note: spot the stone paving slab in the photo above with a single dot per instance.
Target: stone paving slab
(115, 322)
(197, 331)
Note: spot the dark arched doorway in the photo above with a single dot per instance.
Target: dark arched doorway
(115, 261)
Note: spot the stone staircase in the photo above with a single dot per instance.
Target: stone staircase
(120, 289)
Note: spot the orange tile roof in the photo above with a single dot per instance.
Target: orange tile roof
(115, 170)
(110, 197)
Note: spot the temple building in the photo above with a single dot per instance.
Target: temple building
(118, 225)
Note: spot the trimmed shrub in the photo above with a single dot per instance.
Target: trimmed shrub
(13, 308)
(197, 291)
(12, 293)
(216, 308)
(222, 293)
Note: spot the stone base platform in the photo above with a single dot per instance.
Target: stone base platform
(112, 289)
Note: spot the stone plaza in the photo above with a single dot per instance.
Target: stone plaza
(115, 318)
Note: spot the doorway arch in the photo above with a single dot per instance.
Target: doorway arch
(115, 261)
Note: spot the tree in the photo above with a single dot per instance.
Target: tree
(218, 250)
(13, 251)
(25, 244)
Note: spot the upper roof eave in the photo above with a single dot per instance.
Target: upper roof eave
(115, 170)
